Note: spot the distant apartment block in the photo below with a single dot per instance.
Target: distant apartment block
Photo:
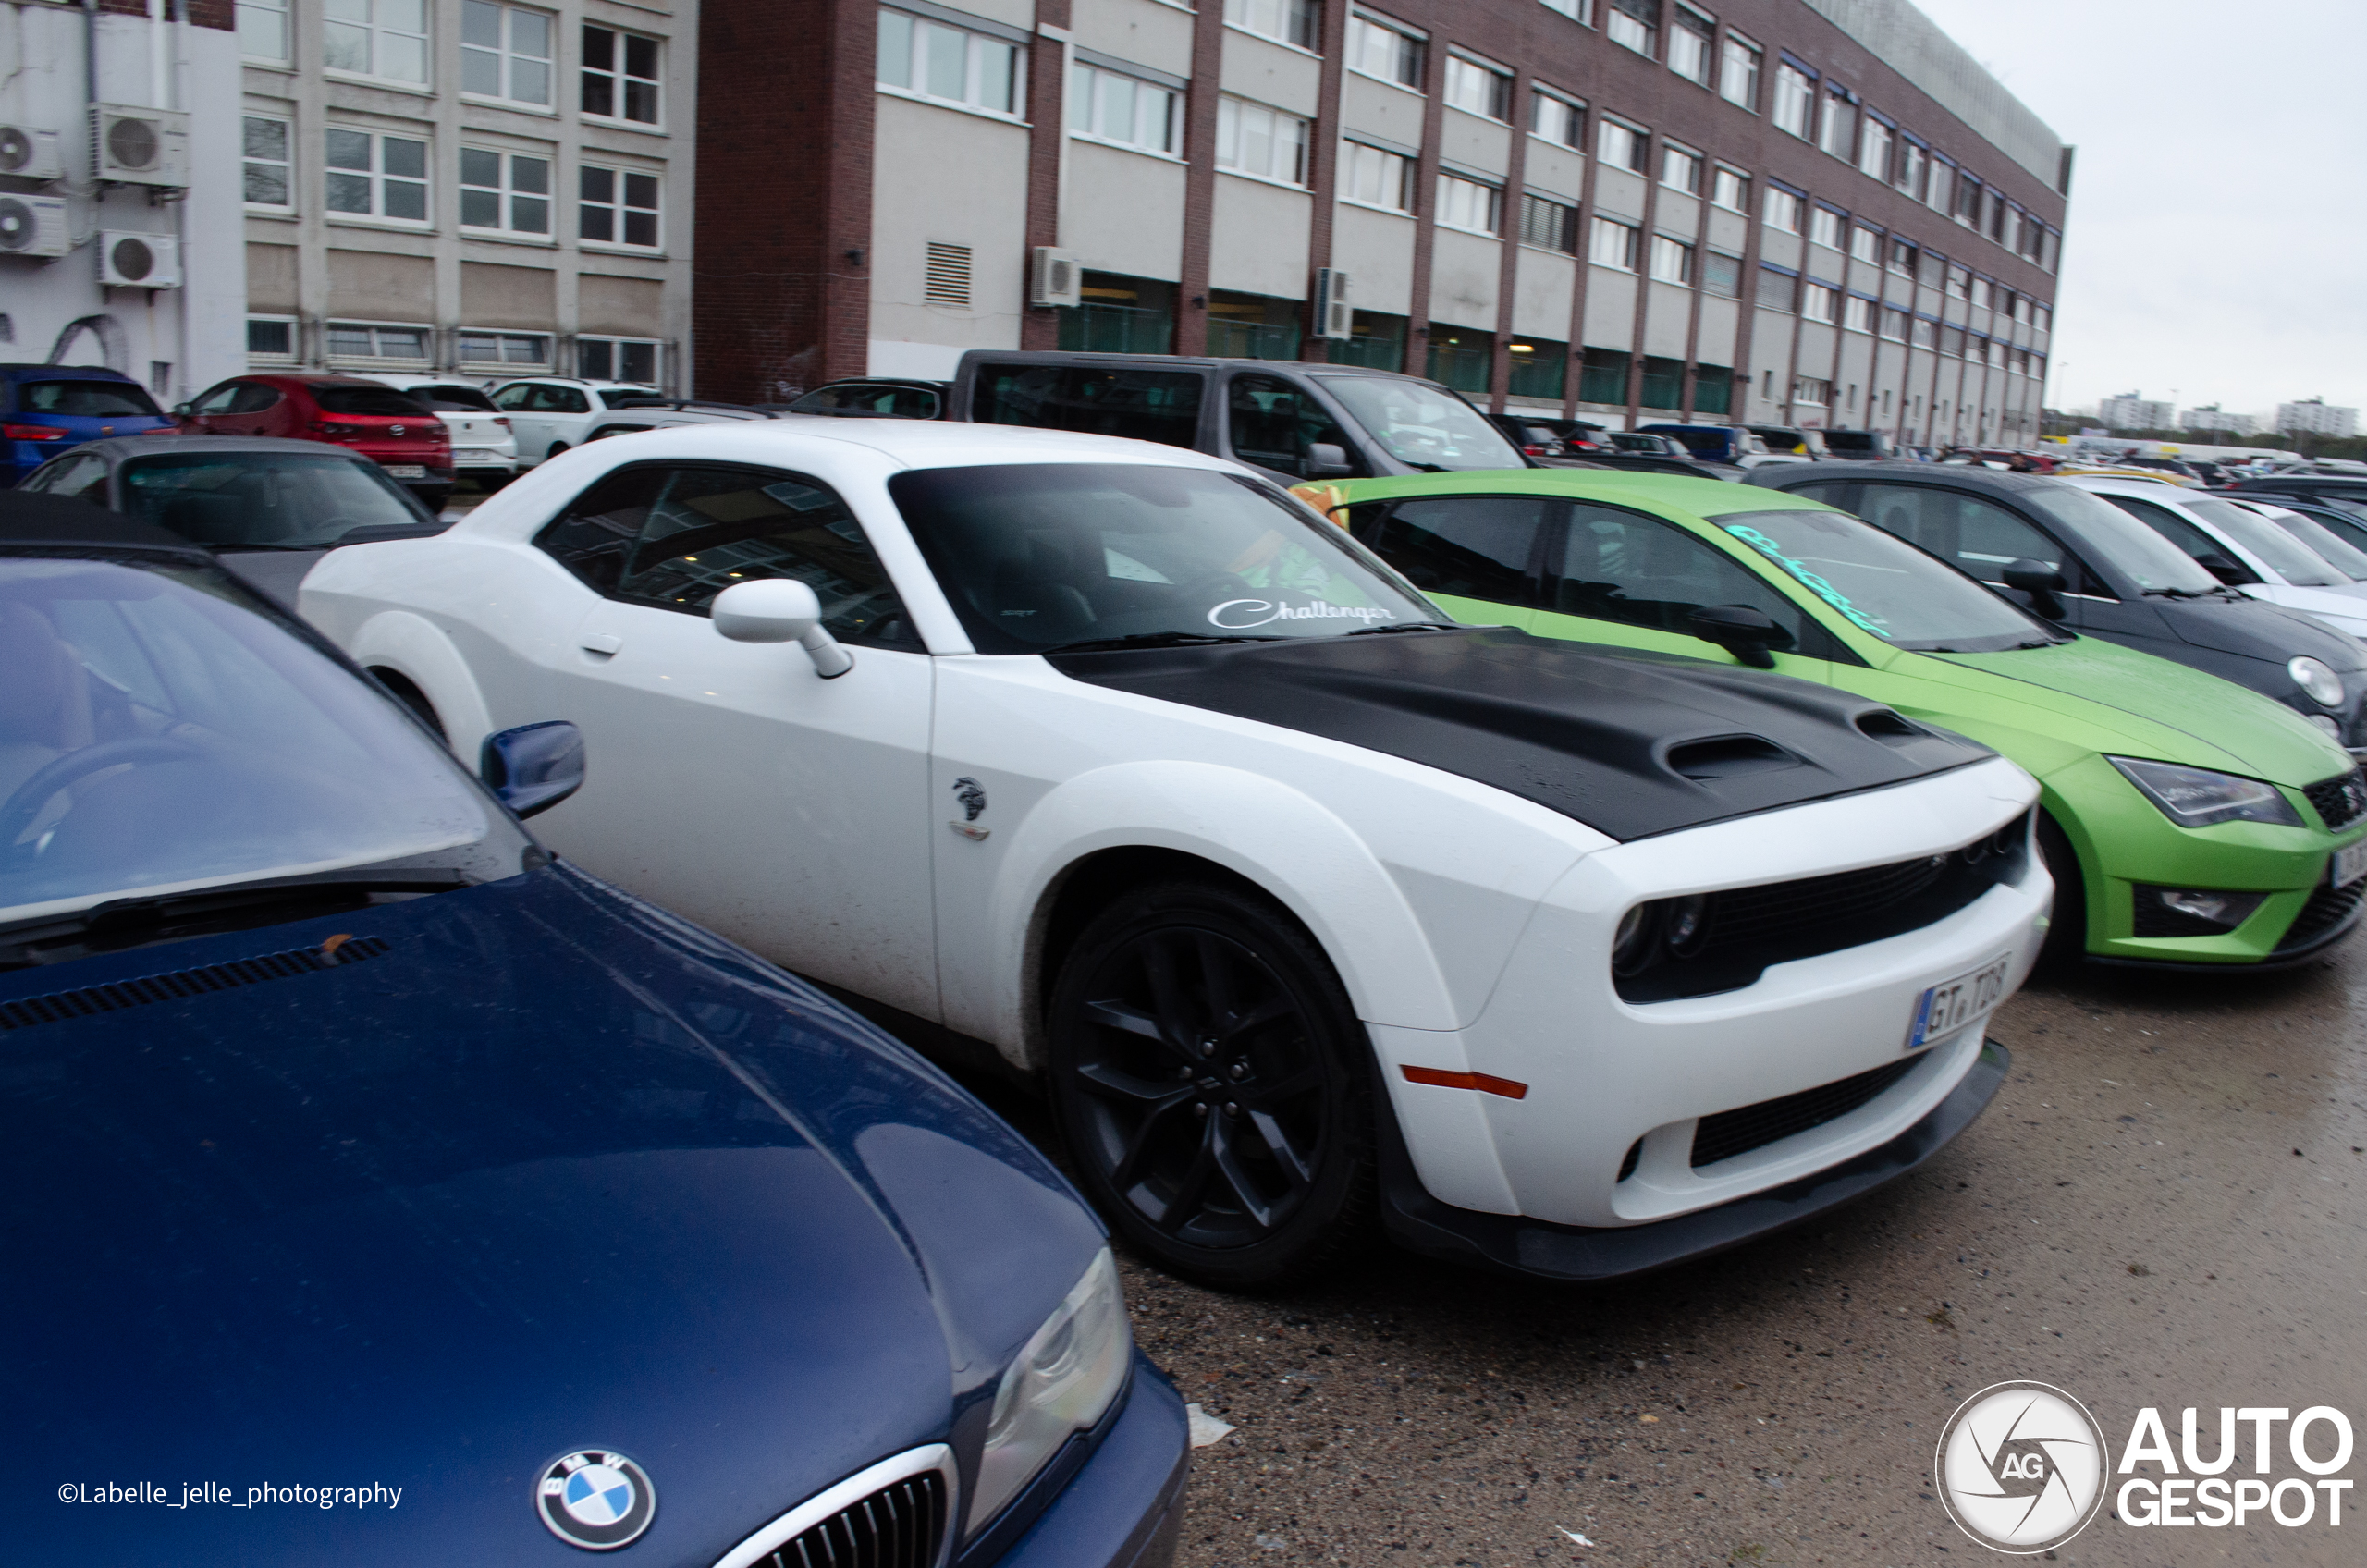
(2132, 412)
(2212, 420)
(2313, 417)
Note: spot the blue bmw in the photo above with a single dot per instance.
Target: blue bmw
(378, 1190)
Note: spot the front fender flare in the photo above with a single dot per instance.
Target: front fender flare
(415, 648)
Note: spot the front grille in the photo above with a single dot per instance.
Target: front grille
(26, 1013)
(2329, 909)
(901, 1525)
(2340, 801)
(1731, 1133)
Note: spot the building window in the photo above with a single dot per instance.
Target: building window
(1538, 369)
(2041, 318)
(262, 30)
(1612, 244)
(1967, 200)
(1927, 333)
(1729, 189)
(1255, 140)
(1866, 244)
(1996, 217)
(617, 358)
(1952, 342)
(380, 38)
(364, 341)
(372, 175)
(1672, 260)
(1602, 376)
(1980, 293)
(270, 337)
(269, 178)
(1873, 148)
(1478, 89)
(1938, 185)
(1902, 258)
(1620, 146)
(505, 190)
(1680, 170)
(619, 76)
(1960, 284)
(1289, 21)
(1795, 98)
(1579, 11)
(1123, 111)
(1689, 44)
(1782, 211)
(1722, 275)
(1814, 391)
(1825, 227)
(1634, 23)
(1376, 178)
(1818, 302)
(948, 66)
(616, 207)
(1776, 290)
(1549, 225)
(1739, 66)
(2009, 233)
(505, 53)
(1469, 205)
(1858, 313)
(1840, 133)
(1378, 49)
(505, 351)
(1913, 163)
(1256, 327)
(1560, 120)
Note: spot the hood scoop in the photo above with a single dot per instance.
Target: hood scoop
(1725, 756)
(29, 1013)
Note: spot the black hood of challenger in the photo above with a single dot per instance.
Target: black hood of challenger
(1630, 744)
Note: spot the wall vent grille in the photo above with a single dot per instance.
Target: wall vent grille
(948, 281)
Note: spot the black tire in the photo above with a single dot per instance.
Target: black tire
(556, 447)
(2066, 937)
(1214, 1087)
(412, 697)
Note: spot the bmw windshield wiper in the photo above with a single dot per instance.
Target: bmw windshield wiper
(1153, 639)
(118, 923)
(1403, 626)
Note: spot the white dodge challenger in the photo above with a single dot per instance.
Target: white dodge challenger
(1317, 914)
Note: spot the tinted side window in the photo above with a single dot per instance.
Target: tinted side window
(2171, 526)
(1972, 534)
(1841, 494)
(384, 401)
(83, 477)
(1272, 422)
(674, 538)
(252, 397)
(86, 399)
(217, 401)
(1475, 546)
(1638, 570)
(1146, 404)
(514, 397)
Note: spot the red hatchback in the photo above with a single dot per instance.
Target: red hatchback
(393, 429)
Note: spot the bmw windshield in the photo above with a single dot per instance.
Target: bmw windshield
(1884, 585)
(1422, 426)
(1038, 558)
(160, 736)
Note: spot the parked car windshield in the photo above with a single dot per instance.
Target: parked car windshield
(2294, 561)
(1427, 427)
(1885, 585)
(2158, 566)
(87, 399)
(1036, 557)
(383, 402)
(159, 733)
(454, 400)
(266, 500)
(2339, 553)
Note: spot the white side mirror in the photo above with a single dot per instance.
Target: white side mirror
(780, 609)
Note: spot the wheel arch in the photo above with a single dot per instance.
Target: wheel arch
(399, 645)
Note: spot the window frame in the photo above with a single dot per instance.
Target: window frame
(1824, 220)
(1540, 210)
(1409, 68)
(613, 343)
(1093, 84)
(1231, 107)
(1574, 113)
(1490, 200)
(1683, 21)
(1874, 130)
(506, 56)
(377, 176)
(507, 193)
(295, 354)
(1795, 98)
(1683, 254)
(1492, 82)
(330, 356)
(285, 162)
(374, 30)
(1818, 302)
(1858, 313)
(1353, 151)
(914, 87)
(1638, 144)
(505, 365)
(1637, 34)
(621, 208)
(1607, 235)
(283, 14)
(1738, 55)
(1791, 203)
(1671, 153)
(1719, 175)
(619, 76)
(1293, 12)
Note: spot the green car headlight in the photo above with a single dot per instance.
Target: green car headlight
(1060, 1383)
(2196, 797)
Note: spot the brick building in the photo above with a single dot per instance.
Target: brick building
(1814, 212)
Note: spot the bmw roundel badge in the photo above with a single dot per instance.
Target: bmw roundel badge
(596, 1499)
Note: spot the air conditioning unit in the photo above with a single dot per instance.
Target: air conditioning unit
(33, 225)
(1055, 279)
(1334, 317)
(28, 153)
(139, 261)
(141, 146)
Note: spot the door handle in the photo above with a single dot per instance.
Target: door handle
(603, 644)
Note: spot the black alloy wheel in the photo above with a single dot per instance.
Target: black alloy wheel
(1213, 1084)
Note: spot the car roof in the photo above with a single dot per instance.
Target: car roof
(25, 370)
(119, 449)
(32, 519)
(1197, 361)
(572, 380)
(1786, 477)
(1701, 498)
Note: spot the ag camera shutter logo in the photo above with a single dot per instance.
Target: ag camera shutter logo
(2021, 1467)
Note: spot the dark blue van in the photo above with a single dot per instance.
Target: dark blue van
(45, 409)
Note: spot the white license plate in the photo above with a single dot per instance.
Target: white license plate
(406, 471)
(470, 454)
(1949, 1006)
(2349, 863)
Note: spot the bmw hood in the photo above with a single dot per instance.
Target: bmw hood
(1629, 744)
(384, 1228)
(2261, 630)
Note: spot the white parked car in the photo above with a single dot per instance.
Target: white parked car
(483, 447)
(668, 413)
(2241, 548)
(1310, 906)
(552, 413)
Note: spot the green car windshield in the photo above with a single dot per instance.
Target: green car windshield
(1884, 585)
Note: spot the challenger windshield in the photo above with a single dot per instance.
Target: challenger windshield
(1884, 585)
(1422, 426)
(1039, 556)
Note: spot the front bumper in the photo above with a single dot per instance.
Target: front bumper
(1123, 1507)
(1509, 1243)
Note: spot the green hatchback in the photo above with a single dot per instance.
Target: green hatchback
(2187, 820)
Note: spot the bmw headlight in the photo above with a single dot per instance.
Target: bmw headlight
(2194, 797)
(1061, 1383)
(2317, 679)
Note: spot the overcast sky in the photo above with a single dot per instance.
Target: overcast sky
(2217, 239)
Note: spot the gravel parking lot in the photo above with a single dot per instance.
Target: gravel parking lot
(2163, 1208)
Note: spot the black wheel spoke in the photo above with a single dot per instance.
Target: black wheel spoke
(1185, 1203)
(1216, 983)
(1269, 1095)
(1272, 1008)
(1175, 1021)
(1150, 1095)
(1129, 1169)
(1228, 1163)
(1130, 1020)
(1294, 1165)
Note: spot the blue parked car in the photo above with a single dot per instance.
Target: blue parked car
(45, 409)
(379, 1190)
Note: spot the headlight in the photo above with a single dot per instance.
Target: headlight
(2316, 677)
(2194, 797)
(1061, 1381)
